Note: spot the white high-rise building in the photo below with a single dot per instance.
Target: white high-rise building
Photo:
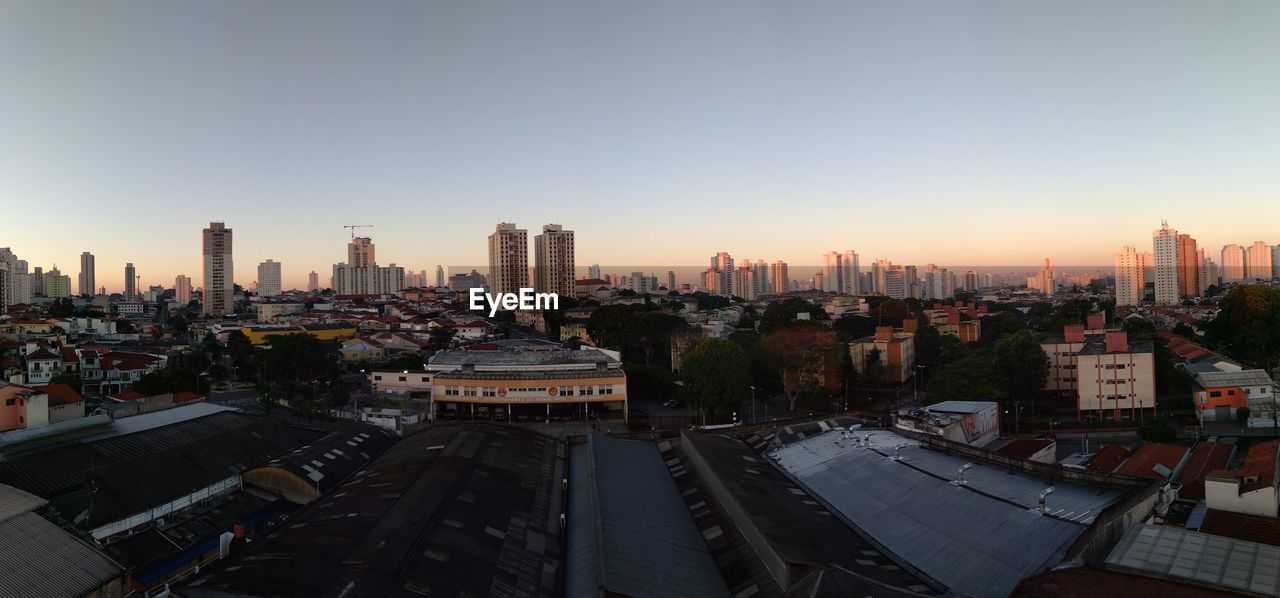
(830, 272)
(182, 289)
(1044, 280)
(440, 275)
(87, 281)
(744, 280)
(361, 275)
(1130, 276)
(553, 261)
(1232, 263)
(849, 273)
(593, 271)
(508, 259)
(879, 269)
(219, 271)
(269, 278)
(719, 278)
(1208, 272)
(1165, 250)
(130, 282)
(313, 281)
(1257, 261)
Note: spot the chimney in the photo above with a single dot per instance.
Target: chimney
(1073, 333)
(909, 324)
(1094, 322)
(1118, 342)
(884, 333)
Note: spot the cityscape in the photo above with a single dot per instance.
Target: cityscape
(579, 299)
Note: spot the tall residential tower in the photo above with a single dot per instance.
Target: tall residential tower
(219, 271)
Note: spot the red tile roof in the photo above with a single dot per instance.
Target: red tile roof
(1253, 528)
(128, 395)
(1107, 459)
(185, 396)
(1024, 448)
(42, 353)
(1143, 460)
(1207, 457)
(60, 394)
(1260, 462)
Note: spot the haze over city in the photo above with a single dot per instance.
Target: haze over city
(993, 135)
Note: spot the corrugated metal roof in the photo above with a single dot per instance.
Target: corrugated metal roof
(16, 502)
(960, 406)
(1241, 378)
(1180, 554)
(43, 560)
(978, 541)
(630, 521)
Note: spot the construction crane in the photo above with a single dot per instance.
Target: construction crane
(353, 228)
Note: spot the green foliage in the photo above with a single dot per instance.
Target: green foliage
(1242, 414)
(60, 308)
(179, 324)
(852, 327)
(634, 330)
(928, 343)
(298, 358)
(1248, 324)
(998, 325)
(708, 301)
(1157, 430)
(1020, 367)
(716, 372)
(168, 380)
(782, 314)
(124, 326)
(888, 311)
(805, 358)
(439, 339)
(649, 382)
(970, 378)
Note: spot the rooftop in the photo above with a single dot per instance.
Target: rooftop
(519, 356)
(1254, 528)
(979, 538)
(43, 560)
(627, 520)
(1259, 462)
(1240, 378)
(1107, 459)
(455, 510)
(1025, 448)
(1154, 460)
(960, 406)
(1207, 457)
(1087, 582)
(1199, 558)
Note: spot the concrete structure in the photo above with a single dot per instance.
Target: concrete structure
(1109, 377)
(182, 289)
(219, 271)
(1257, 261)
(744, 282)
(1275, 262)
(88, 280)
(976, 423)
(896, 348)
(508, 259)
(1165, 244)
(1219, 396)
(553, 261)
(269, 278)
(779, 277)
(56, 285)
(1189, 258)
(325, 332)
(1045, 282)
(1233, 262)
(269, 311)
(23, 407)
(1252, 489)
(313, 281)
(527, 380)
(361, 275)
(718, 279)
(1209, 272)
(1131, 275)
(130, 282)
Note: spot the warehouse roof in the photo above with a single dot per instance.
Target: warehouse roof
(627, 520)
(1240, 378)
(979, 538)
(468, 509)
(1087, 582)
(43, 560)
(14, 501)
(520, 356)
(318, 467)
(1193, 557)
(801, 530)
(960, 406)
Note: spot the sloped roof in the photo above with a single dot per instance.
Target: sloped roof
(1143, 461)
(1207, 457)
(43, 560)
(60, 394)
(1240, 378)
(1254, 528)
(1107, 459)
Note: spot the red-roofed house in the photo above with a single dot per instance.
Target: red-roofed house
(1107, 459)
(1252, 488)
(1154, 460)
(1043, 450)
(1207, 457)
(64, 402)
(22, 407)
(116, 371)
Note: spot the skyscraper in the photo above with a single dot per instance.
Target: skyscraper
(313, 281)
(830, 273)
(849, 273)
(779, 277)
(1275, 261)
(361, 275)
(55, 284)
(269, 278)
(1130, 276)
(671, 280)
(1257, 261)
(88, 281)
(219, 271)
(1044, 279)
(439, 275)
(553, 261)
(130, 282)
(508, 258)
(182, 289)
(719, 277)
(360, 252)
(1165, 242)
(878, 270)
(1188, 267)
(37, 281)
(1208, 275)
(1232, 263)
(593, 271)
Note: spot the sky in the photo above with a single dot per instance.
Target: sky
(661, 132)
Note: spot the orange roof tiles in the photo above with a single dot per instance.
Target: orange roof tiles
(1207, 457)
(1144, 460)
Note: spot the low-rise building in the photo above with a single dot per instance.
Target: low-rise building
(259, 334)
(412, 384)
(975, 423)
(22, 407)
(1219, 395)
(269, 311)
(896, 348)
(523, 380)
(1251, 489)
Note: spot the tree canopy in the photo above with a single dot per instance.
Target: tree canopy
(1248, 324)
(717, 373)
(1020, 367)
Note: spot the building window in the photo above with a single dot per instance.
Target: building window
(403, 379)
(377, 377)
(8, 402)
(1215, 393)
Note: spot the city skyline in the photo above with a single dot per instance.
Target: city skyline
(926, 138)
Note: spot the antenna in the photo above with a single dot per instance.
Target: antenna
(353, 228)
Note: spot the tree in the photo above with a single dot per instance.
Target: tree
(968, 379)
(887, 311)
(783, 314)
(805, 358)
(852, 327)
(874, 371)
(1242, 414)
(60, 308)
(928, 344)
(1020, 366)
(179, 324)
(124, 326)
(717, 373)
(1248, 324)
(440, 338)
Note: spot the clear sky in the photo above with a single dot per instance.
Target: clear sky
(661, 132)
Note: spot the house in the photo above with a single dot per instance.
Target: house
(42, 366)
(22, 407)
(1219, 395)
(64, 402)
(1250, 490)
(361, 348)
